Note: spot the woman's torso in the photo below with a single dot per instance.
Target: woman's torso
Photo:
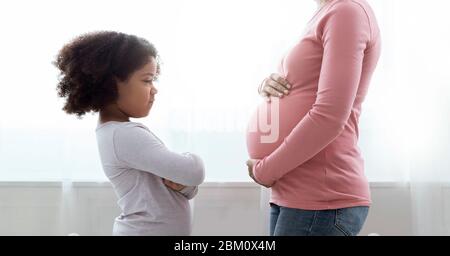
(323, 178)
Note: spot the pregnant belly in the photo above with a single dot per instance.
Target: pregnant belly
(272, 122)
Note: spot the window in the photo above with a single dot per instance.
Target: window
(214, 53)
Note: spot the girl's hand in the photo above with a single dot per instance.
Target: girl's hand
(250, 164)
(275, 86)
(173, 185)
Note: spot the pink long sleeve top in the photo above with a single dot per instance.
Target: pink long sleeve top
(315, 162)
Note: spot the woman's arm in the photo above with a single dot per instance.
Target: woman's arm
(345, 33)
(138, 148)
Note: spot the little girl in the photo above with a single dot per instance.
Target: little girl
(113, 73)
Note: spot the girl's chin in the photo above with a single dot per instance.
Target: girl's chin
(149, 108)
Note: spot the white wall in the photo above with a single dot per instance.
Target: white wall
(35, 208)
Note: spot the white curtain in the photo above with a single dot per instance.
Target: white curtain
(215, 54)
(430, 169)
(416, 107)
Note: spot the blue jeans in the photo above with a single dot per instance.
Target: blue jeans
(286, 221)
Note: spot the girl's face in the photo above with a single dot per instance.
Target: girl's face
(136, 95)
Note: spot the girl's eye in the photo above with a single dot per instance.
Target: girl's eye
(151, 80)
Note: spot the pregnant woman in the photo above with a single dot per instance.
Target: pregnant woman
(113, 73)
(314, 167)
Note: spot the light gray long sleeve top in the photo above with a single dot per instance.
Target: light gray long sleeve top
(135, 161)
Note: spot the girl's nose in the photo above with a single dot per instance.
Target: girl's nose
(154, 91)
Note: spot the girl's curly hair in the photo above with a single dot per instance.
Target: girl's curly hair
(90, 65)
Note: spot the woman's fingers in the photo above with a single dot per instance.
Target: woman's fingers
(250, 163)
(272, 91)
(275, 86)
(280, 80)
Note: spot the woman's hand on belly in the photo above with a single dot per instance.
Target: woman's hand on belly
(250, 164)
(274, 86)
